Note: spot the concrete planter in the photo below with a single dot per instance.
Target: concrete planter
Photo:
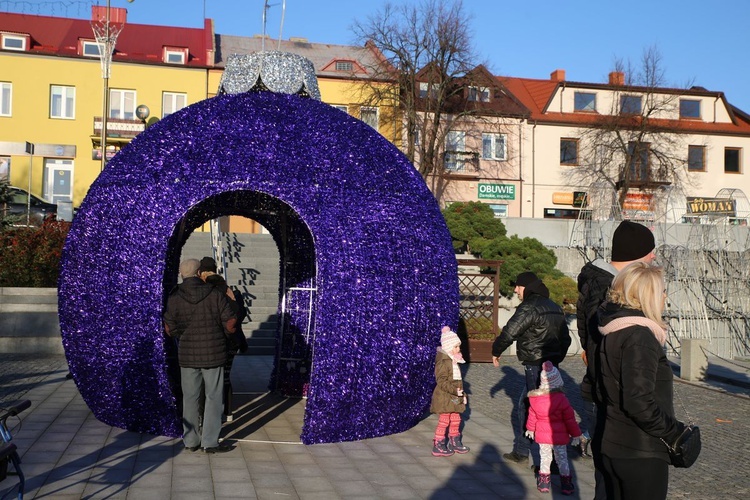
(28, 321)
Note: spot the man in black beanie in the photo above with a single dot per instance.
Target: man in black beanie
(631, 242)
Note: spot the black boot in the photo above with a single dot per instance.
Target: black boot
(457, 445)
(441, 448)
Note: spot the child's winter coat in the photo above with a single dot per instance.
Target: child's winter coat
(551, 418)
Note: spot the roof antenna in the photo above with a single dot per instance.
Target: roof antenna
(266, 6)
(281, 26)
(263, 40)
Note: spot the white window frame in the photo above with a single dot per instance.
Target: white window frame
(342, 107)
(698, 103)
(67, 95)
(428, 90)
(88, 43)
(479, 93)
(589, 108)
(17, 38)
(346, 66)
(499, 210)
(373, 123)
(120, 96)
(498, 146)
(170, 104)
(455, 144)
(180, 53)
(6, 99)
(631, 98)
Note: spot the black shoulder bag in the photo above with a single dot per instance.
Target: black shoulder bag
(685, 449)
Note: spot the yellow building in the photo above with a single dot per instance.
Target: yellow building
(52, 88)
(51, 93)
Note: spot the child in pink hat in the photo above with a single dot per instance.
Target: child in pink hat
(448, 398)
(551, 424)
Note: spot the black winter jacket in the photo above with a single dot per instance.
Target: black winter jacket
(636, 384)
(198, 314)
(594, 281)
(538, 326)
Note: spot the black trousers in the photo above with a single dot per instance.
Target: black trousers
(635, 478)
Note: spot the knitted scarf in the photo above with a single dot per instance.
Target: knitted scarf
(626, 321)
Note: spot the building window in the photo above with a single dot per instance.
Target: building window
(494, 147)
(341, 107)
(638, 153)
(122, 104)
(427, 90)
(369, 116)
(500, 211)
(172, 102)
(690, 108)
(696, 158)
(62, 102)
(479, 94)
(568, 151)
(6, 91)
(344, 66)
(91, 49)
(14, 42)
(732, 160)
(455, 146)
(561, 213)
(585, 101)
(175, 56)
(630, 105)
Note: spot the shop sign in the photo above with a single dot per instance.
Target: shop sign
(711, 206)
(579, 199)
(637, 201)
(497, 191)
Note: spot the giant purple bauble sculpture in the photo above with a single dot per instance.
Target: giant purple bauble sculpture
(362, 226)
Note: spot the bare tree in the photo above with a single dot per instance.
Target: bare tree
(426, 52)
(636, 144)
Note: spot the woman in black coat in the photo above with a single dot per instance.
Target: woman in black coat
(636, 386)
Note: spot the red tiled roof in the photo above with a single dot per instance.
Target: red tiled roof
(536, 95)
(136, 43)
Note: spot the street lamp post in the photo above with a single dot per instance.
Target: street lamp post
(106, 36)
(142, 113)
(106, 65)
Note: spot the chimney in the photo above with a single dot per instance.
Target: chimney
(558, 75)
(617, 78)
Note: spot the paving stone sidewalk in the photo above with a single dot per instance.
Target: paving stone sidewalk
(69, 454)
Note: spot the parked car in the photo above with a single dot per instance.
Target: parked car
(17, 204)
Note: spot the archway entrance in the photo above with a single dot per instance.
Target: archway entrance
(297, 278)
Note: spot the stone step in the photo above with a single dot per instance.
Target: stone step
(259, 311)
(25, 295)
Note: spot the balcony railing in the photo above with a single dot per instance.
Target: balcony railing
(118, 127)
(461, 162)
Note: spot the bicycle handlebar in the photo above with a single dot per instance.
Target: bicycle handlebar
(14, 410)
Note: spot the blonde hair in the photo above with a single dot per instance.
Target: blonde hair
(640, 286)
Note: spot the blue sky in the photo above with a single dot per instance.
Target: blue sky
(701, 43)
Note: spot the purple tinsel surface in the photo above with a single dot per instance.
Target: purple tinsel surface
(366, 234)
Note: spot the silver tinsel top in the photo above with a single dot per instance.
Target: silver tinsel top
(280, 72)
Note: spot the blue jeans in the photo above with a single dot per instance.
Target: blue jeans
(193, 381)
(521, 443)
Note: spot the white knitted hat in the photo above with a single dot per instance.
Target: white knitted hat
(449, 339)
(550, 377)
